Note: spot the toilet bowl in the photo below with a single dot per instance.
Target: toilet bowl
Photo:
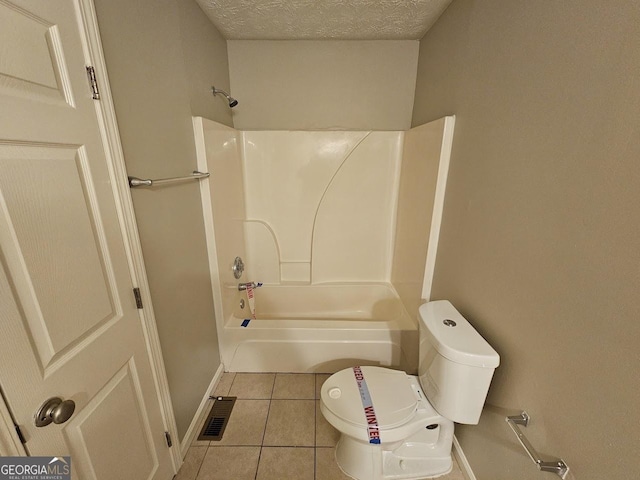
(407, 426)
(398, 426)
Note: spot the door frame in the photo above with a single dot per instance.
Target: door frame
(10, 444)
(106, 117)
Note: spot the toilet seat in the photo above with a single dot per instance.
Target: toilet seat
(394, 397)
(405, 448)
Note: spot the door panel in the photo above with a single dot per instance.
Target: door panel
(37, 69)
(69, 326)
(36, 182)
(119, 403)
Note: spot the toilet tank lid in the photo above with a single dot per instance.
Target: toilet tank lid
(460, 343)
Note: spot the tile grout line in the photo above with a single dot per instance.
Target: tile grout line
(202, 462)
(315, 427)
(264, 431)
(209, 446)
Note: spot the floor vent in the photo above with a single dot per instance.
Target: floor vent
(217, 419)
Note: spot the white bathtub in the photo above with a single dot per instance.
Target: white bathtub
(320, 328)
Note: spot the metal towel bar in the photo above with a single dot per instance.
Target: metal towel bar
(555, 466)
(139, 182)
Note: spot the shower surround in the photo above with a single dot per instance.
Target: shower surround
(320, 205)
(313, 215)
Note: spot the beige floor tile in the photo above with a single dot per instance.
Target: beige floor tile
(224, 385)
(192, 462)
(230, 463)
(199, 443)
(291, 423)
(456, 473)
(294, 385)
(326, 466)
(326, 435)
(202, 443)
(246, 424)
(281, 463)
(320, 379)
(252, 385)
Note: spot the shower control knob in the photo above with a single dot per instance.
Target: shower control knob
(238, 267)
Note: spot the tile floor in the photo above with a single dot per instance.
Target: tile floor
(276, 432)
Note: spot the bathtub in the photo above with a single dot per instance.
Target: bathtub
(320, 328)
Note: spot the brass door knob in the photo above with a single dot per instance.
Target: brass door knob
(54, 410)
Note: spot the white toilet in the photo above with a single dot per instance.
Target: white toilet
(399, 426)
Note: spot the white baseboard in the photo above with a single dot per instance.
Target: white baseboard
(462, 460)
(202, 410)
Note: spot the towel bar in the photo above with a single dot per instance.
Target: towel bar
(554, 466)
(139, 182)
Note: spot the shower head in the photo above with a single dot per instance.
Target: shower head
(232, 101)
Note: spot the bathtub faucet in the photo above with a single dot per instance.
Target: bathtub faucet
(243, 286)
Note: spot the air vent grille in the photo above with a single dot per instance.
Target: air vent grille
(217, 419)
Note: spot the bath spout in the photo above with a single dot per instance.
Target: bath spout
(243, 286)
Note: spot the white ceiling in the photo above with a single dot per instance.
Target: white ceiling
(323, 19)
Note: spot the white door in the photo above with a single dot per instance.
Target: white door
(69, 326)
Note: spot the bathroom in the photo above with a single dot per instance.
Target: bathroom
(538, 242)
(530, 275)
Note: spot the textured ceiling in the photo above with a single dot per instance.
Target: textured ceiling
(323, 19)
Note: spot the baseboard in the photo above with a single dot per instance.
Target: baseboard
(462, 460)
(202, 410)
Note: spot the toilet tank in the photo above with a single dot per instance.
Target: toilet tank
(456, 364)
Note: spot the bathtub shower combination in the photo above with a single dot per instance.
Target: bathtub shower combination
(321, 328)
(340, 227)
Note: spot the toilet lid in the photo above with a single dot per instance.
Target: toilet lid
(393, 399)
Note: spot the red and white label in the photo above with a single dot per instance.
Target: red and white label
(373, 430)
(252, 301)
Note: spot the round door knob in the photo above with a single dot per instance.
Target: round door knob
(54, 410)
(63, 412)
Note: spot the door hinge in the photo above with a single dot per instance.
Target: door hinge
(167, 437)
(136, 294)
(93, 83)
(20, 435)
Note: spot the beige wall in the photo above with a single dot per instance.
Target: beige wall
(539, 245)
(315, 85)
(162, 57)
